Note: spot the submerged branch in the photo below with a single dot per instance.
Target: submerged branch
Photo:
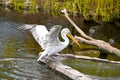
(71, 56)
(89, 40)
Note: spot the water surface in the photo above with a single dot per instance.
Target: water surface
(95, 70)
(18, 55)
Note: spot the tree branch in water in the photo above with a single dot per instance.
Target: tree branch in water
(89, 40)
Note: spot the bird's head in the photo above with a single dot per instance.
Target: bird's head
(67, 33)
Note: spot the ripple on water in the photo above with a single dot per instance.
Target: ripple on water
(19, 68)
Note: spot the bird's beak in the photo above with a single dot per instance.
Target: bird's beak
(71, 37)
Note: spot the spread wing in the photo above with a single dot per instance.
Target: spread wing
(52, 36)
(42, 36)
(38, 31)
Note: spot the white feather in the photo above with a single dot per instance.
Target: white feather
(48, 40)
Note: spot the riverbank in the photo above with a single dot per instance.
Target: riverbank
(98, 11)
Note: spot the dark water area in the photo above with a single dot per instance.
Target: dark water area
(19, 51)
(108, 32)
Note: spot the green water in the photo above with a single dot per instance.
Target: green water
(101, 70)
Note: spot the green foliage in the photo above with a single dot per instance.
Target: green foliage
(22, 4)
(98, 10)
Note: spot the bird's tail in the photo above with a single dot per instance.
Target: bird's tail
(41, 56)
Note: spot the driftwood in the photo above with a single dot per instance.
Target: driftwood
(89, 40)
(71, 56)
(66, 70)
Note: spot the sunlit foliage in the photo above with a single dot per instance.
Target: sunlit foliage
(30, 5)
(97, 10)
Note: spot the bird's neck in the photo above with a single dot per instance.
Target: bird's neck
(65, 38)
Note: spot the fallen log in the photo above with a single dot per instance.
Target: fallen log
(89, 40)
(71, 56)
(65, 70)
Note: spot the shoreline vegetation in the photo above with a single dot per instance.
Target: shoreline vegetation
(91, 10)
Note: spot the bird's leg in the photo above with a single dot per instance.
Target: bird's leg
(47, 60)
(51, 57)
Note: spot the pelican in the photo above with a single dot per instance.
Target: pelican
(48, 40)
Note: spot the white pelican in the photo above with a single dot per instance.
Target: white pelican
(48, 40)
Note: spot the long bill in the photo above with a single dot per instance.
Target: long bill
(71, 37)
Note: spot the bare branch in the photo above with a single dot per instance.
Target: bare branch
(89, 40)
(76, 27)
